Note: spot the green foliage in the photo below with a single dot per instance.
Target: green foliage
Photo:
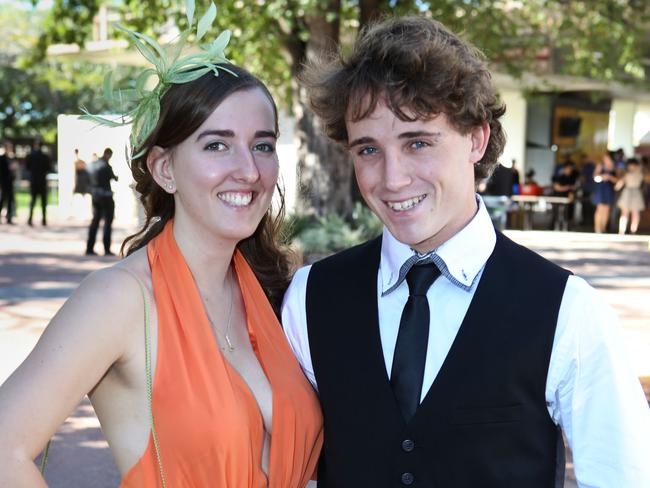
(603, 39)
(33, 94)
(67, 22)
(600, 39)
(31, 98)
(332, 233)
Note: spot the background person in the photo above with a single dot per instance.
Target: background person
(630, 200)
(586, 185)
(81, 175)
(564, 185)
(7, 199)
(604, 195)
(39, 165)
(101, 173)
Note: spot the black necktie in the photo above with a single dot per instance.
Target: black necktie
(411, 348)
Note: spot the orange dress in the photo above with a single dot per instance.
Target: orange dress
(209, 427)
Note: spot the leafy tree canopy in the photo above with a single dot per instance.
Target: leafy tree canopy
(602, 39)
(35, 90)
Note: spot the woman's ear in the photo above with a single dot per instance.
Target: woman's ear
(160, 166)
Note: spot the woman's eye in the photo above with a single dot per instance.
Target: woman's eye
(367, 151)
(264, 147)
(215, 146)
(419, 144)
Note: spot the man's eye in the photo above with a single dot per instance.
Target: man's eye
(264, 147)
(367, 151)
(215, 146)
(419, 144)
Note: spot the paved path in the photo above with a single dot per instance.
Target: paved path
(39, 268)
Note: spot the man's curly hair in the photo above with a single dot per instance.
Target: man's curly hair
(412, 64)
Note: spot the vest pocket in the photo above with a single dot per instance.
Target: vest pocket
(486, 415)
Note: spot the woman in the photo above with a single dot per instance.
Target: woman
(604, 195)
(230, 406)
(631, 199)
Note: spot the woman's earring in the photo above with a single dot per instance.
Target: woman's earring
(170, 186)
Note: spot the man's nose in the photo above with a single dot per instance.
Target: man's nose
(396, 174)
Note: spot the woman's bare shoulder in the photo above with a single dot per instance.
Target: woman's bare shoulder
(115, 289)
(137, 265)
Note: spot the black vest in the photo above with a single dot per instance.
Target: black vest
(484, 421)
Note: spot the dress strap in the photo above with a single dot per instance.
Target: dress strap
(148, 372)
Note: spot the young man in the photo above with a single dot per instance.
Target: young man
(445, 354)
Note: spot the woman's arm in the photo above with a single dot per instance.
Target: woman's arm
(80, 344)
(598, 169)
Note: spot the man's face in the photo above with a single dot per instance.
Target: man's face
(418, 177)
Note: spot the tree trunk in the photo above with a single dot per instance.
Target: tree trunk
(325, 175)
(369, 10)
(324, 167)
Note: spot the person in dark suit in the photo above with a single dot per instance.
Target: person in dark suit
(501, 182)
(39, 165)
(445, 354)
(101, 175)
(6, 183)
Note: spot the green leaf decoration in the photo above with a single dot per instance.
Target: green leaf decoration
(178, 47)
(142, 79)
(99, 120)
(190, 12)
(148, 53)
(187, 76)
(146, 119)
(108, 87)
(130, 95)
(159, 50)
(141, 107)
(206, 21)
(220, 42)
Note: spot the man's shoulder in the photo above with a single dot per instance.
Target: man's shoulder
(522, 258)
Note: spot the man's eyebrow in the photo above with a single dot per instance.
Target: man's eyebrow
(403, 135)
(419, 133)
(361, 140)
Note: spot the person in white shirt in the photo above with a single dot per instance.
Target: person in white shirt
(444, 354)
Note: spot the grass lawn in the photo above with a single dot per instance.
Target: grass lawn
(23, 197)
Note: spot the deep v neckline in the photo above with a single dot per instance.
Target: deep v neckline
(209, 426)
(236, 376)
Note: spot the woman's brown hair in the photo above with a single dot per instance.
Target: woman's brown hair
(409, 63)
(183, 108)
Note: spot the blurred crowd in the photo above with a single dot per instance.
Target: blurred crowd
(36, 169)
(609, 194)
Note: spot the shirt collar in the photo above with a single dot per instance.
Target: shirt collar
(460, 258)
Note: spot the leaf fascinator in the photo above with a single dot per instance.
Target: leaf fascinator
(140, 106)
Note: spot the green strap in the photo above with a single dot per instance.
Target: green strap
(46, 453)
(147, 348)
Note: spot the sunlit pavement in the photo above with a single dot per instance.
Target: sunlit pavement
(40, 267)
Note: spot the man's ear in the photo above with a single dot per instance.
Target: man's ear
(479, 136)
(160, 166)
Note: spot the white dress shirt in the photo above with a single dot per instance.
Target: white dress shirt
(591, 391)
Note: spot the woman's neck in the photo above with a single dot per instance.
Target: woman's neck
(207, 256)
